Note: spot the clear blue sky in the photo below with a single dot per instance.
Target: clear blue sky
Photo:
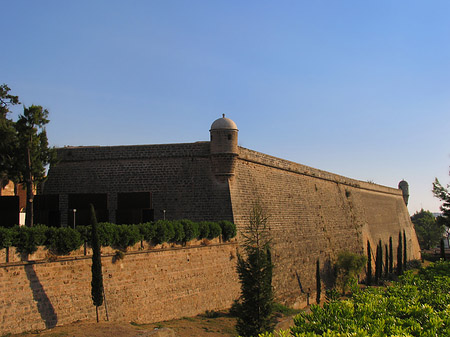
(357, 88)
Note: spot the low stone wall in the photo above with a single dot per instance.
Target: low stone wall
(145, 286)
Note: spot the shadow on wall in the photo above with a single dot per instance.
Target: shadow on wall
(44, 305)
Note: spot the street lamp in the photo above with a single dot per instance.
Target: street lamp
(164, 211)
(74, 211)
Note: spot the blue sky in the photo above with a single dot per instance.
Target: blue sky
(357, 88)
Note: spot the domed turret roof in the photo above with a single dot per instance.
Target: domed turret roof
(223, 124)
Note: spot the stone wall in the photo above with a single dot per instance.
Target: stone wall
(145, 286)
(315, 215)
(178, 176)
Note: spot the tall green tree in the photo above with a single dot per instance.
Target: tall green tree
(255, 306)
(8, 137)
(443, 194)
(33, 153)
(97, 276)
(428, 230)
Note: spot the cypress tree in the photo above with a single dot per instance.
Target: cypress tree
(386, 262)
(97, 278)
(442, 246)
(318, 282)
(378, 263)
(391, 256)
(255, 306)
(405, 256)
(399, 255)
(369, 264)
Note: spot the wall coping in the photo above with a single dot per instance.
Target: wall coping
(293, 167)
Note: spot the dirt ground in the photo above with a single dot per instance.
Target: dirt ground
(200, 326)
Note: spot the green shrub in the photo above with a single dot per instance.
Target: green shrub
(417, 305)
(148, 231)
(127, 236)
(164, 231)
(107, 233)
(214, 230)
(178, 231)
(6, 237)
(203, 230)
(62, 240)
(85, 233)
(228, 230)
(27, 239)
(190, 230)
(348, 266)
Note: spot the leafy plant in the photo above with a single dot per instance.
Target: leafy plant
(348, 266)
(27, 239)
(203, 229)
(126, 236)
(190, 230)
(214, 230)
(62, 240)
(228, 230)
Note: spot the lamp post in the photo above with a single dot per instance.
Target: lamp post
(74, 212)
(164, 214)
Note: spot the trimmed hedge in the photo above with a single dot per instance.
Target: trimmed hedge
(65, 239)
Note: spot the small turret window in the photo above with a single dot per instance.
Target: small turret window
(229, 137)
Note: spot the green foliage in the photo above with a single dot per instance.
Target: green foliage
(214, 230)
(27, 239)
(443, 194)
(318, 282)
(255, 307)
(190, 230)
(97, 277)
(62, 240)
(6, 237)
(228, 230)
(428, 230)
(126, 236)
(442, 249)
(178, 231)
(148, 231)
(369, 264)
(164, 231)
(348, 267)
(417, 305)
(399, 255)
(391, 256)
(203, 229)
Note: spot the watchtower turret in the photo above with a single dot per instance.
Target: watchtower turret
(403, 185)
(223, 146)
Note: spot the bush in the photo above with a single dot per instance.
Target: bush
(348, 266)
(127, 235)
(6, 237)
(62, 240)
(214, 230)
(203, 230)
(190, 230)
(85, 233)
(148, 231)
(27, 239)
(107, 233)
(228, 230)
(164, 231)
(178, 232)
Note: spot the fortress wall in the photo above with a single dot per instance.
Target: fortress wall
(147, 286)
(314, 215)
(178, 176)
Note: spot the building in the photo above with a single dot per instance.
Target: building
(312, 214)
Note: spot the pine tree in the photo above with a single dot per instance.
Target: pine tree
(97, 278)
(255, 306)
